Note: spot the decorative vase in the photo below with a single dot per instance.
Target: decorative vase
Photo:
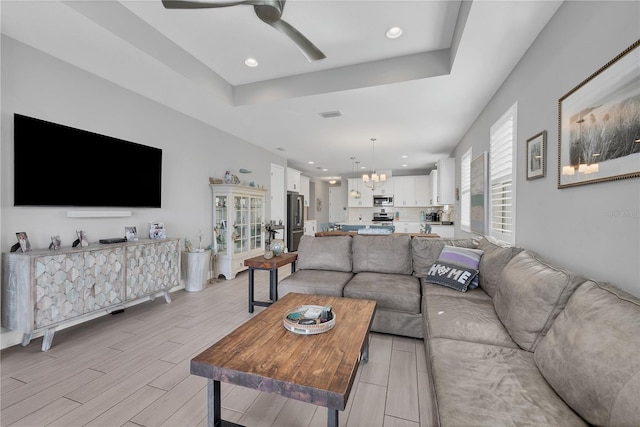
(277, 247)
(268, 253)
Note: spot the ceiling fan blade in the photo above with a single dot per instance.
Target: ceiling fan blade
(310, 51)
(197, 4)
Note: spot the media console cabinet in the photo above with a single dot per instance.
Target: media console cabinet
(44, 290)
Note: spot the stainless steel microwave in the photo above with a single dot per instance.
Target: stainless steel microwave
(382, 201)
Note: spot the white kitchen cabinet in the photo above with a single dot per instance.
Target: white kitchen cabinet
(293, 180)
(366, 195)
(423, 190)
(444, 187)
(304, 189)
(238, 217)
(405, 191)
(433, 200)
(310, 227)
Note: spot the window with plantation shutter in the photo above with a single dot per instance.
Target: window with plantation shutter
(502, 177)
(465, 191)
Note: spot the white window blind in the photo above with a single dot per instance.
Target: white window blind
(501, 177)
(465, 191)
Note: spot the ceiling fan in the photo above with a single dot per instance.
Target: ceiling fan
(269, 11)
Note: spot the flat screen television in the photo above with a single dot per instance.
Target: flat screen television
(57, 165)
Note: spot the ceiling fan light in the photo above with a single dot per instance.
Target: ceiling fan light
(251, 62)
(394, 32)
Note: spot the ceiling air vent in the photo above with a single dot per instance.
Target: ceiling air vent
(330, 114)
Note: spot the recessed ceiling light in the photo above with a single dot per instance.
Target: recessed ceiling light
(250, 62)
(394, 32)
(324, 169)
(311, 162)
(405, 156)
(404, 166)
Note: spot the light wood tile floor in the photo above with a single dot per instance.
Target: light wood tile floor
(132, 369)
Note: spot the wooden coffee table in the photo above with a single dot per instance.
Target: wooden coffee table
(261, 354)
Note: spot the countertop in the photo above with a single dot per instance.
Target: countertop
(392, 222)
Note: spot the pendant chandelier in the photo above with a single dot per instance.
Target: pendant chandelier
(375, 181)
(354, 192)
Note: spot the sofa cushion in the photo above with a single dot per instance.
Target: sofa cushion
(426, 250)
(451, 275)
(399, 292)
(321, 282)
(591, 355)
(382, 254)
(429, 290)
(325, 253)
(493, 261)
(530, 295)
(483, 385)
(465, 319)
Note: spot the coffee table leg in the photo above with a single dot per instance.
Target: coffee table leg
(273, 284)
(214, 416)
(250, 290)
(365, 350)
(332, 418)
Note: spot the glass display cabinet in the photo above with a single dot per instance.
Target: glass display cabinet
(238, 225)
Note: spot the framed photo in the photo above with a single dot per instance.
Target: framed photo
(479, 206)
(131, 234)
(56, 243)
(23, 240)
(82, 236)
(537, 155)
(599, 124)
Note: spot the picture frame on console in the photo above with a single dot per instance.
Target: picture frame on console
(23, 242)
(599, 124)
(131, 234)
(537, 155)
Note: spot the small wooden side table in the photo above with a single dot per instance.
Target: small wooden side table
(261, 263)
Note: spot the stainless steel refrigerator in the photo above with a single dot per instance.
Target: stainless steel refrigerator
(295, 220)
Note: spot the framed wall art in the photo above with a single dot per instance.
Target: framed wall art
(599, 124)
(537, 155)
(479, 206)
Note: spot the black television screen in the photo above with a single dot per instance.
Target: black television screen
(57, 165)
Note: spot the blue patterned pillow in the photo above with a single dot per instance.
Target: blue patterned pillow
(463, 256)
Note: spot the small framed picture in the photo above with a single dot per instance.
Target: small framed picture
(24, 241)
(131, 234)
(82, 236)
(56, 243)
(536, 152)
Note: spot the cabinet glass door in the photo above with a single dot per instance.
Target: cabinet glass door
(221, 223)
(241, 224)
(256, 223)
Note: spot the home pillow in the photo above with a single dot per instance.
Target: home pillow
(463, 256)
(451, 275)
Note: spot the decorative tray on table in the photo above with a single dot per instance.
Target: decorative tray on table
(310, 319)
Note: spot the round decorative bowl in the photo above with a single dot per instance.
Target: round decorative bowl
(277, 247)
(295, 322)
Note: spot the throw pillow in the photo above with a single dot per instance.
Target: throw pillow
(451, 275)
(463, 256)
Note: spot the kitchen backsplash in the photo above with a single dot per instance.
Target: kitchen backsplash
(404, 214)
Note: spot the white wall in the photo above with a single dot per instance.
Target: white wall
(593, 229)
(36, 84)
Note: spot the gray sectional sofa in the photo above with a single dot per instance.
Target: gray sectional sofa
(533, 345)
